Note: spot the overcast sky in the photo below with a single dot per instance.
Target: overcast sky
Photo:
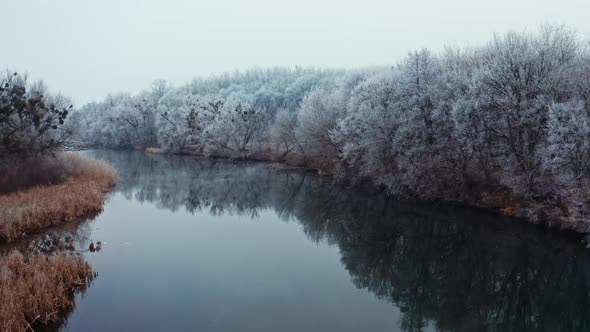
(87, 49)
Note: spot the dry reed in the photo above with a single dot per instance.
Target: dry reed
(38, 290)
(82, 193)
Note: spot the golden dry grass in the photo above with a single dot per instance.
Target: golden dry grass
(38, 290)
(82, 193)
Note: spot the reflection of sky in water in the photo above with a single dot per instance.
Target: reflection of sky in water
(214, 246)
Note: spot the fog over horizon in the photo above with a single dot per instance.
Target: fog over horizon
(89, 49)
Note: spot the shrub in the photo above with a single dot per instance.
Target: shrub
(31, 120)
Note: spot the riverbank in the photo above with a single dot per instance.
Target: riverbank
(500, 199)
(80, 193)
(37, 287)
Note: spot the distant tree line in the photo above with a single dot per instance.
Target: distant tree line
(504, 125)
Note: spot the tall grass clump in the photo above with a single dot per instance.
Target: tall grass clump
(38, 290)
(76, 188)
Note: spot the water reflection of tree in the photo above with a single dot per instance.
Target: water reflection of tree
(461, 270)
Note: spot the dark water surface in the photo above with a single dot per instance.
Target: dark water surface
(205, 245)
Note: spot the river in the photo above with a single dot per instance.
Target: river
(209, 245)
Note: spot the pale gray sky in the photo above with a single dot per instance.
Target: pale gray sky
(86, 49)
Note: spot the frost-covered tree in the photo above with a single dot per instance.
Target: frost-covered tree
(283, 134)
(520, 78)
(171, 121)
(367, 132)
(234, 128)
(567, 157)
(416, 138)
(568, 149)
(318, 118)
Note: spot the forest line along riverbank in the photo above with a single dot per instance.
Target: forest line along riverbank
(498, 200)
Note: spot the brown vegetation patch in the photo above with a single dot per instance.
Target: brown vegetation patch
(19, 174)
(155, 150)
(33, 209)
(38, 290)
(504, 201)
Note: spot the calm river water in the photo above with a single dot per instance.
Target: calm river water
(204, 245)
